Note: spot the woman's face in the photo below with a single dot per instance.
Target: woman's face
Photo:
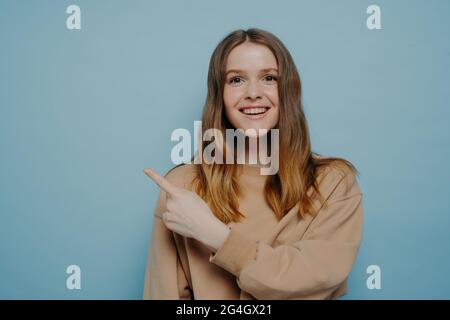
(251, 93)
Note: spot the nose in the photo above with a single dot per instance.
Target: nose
(253, 91)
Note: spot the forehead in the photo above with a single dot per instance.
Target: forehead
(251, 57)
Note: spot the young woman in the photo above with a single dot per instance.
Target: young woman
(225, 231)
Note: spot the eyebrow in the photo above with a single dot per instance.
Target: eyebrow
(242, 71)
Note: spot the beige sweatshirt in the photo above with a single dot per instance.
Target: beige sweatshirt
(262, 258)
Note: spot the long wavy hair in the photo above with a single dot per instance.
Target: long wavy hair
(299, 167)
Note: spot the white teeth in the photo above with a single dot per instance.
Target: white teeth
(254, 110)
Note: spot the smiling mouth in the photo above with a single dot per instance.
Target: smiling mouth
(254, 110)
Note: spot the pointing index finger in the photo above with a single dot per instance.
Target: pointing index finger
(162, 182)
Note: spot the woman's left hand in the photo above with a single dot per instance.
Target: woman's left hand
(188, 215)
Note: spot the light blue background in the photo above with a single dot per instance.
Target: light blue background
(83, 112)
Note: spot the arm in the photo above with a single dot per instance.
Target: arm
(164, 276)
(311, 268)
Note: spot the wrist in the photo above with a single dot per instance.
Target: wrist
(218, 237)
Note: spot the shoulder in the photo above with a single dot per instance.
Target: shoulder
(338, 181)
(182, 175)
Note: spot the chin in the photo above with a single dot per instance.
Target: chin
(260, 132)
(255, 131)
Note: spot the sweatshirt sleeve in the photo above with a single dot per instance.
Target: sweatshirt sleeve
(311, 268)
(164, 275)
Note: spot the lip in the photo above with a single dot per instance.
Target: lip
(254, 116)
(250, 107)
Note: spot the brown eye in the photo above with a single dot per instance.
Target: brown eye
(271, 78)
(235, 80)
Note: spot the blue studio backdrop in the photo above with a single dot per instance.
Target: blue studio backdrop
(84, 110)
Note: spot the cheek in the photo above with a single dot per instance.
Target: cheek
(272, 94)
(229, 101)
(231, 97)
(276, 118)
